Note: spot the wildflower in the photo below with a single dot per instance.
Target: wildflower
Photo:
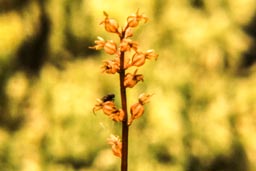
(128, 44)
(117, 115)
(110, 66)
(99, 43)
(138, 59)
(110, 47)
(144, 98)
(109, 108)
(128, 32)
(150, 54)
(131, 80)
(116, 145)
(110, 24)
(137, 109)
(134, 19)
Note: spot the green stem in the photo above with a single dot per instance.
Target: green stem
(125, 128)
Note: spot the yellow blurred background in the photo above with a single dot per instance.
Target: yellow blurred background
(202, 116)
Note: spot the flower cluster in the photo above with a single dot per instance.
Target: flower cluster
(107, 105)
(121, 64)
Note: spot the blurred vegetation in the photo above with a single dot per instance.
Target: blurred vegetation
(201, 118)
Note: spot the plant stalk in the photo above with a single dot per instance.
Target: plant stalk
(125, 127)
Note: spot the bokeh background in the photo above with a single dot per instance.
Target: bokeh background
(202, 116)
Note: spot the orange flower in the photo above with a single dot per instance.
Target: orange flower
(107, 105)
(131, 80)
(138, 59)
(134, 19)
(144, 98)
(137, 109)
(150, 54)
(110, 47)
(116, 145)
(100, 43)
(110, 24)
(127, 45)
(128, 32)
(111, 66)
(117, 115)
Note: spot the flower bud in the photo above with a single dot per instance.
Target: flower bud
(134, 19)
(109, 107)
(110, 66)
(99, 43)
(137, 111)
(124, 45)
(110, 47)
(150, 54)
(128, 32)
(117, 115)
(138, 59)
(131, 80)
(144, 98)
(116, 145)
(110, 24)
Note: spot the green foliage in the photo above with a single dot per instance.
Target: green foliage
(201, 117)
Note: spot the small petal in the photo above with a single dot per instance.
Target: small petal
(99, 44)
(144, 98)
(116, 145)
(150, 54)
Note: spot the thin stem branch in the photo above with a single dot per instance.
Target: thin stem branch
(125, 127)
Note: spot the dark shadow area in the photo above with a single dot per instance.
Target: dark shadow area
(235, 161)
(77, 46)
(33, 52)
(12, 5)
(249, 57)
(199, 4)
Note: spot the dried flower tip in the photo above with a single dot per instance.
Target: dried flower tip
(99, 43)
(110, 24)
(131, 80)
(116, 145)
(150, 54)
(110, 66)
(110, 47)
(144, 98)
(134, 19)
